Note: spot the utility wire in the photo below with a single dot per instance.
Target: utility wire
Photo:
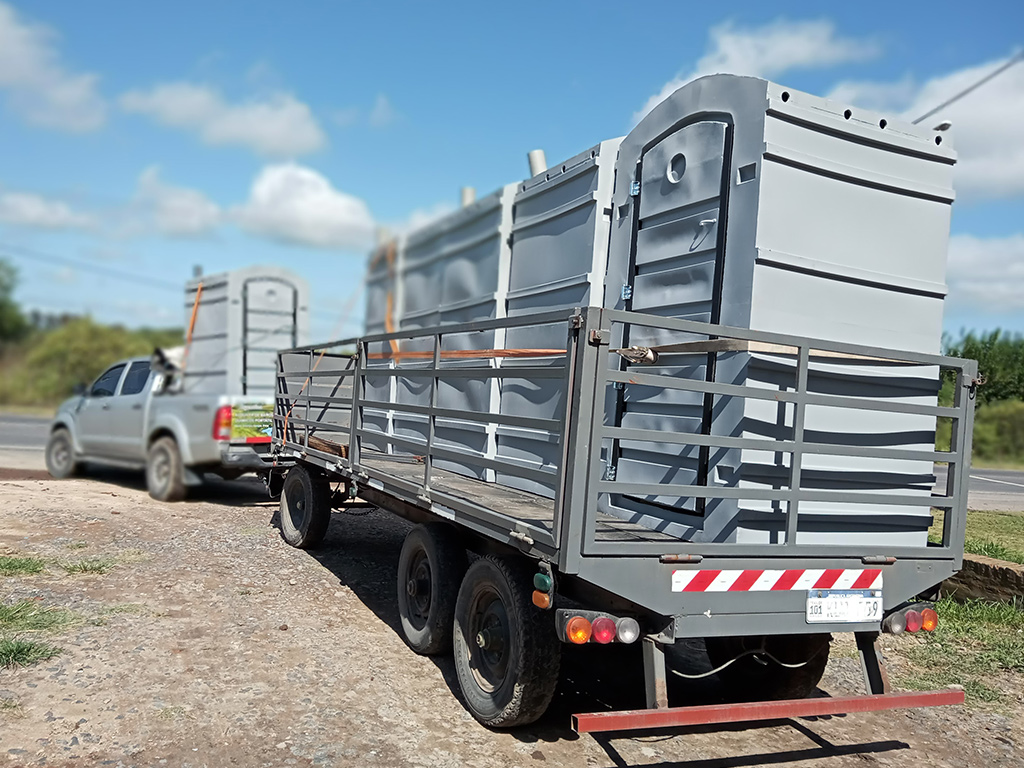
(1019, 56)
(68, 261)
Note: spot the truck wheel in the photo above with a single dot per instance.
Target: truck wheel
(764, 676)
(60, 454)
(305, 507)
(430, 570)
(506, 652)
(165, 479)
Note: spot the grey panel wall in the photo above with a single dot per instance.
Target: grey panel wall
(245, 316)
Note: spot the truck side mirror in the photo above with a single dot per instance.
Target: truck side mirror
(79, 389)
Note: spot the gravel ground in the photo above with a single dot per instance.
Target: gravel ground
(209, 642)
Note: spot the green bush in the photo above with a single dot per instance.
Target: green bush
(44, 369)
(999, 431)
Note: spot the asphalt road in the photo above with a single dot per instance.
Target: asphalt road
(23, 432)
(1001, 489)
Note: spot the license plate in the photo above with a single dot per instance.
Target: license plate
(840, 606)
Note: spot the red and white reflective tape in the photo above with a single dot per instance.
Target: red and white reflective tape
(775, 581)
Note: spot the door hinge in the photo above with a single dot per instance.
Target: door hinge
(634, 189)
(627, 292)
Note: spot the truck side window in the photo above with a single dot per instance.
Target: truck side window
(106, 385)
(136, 379)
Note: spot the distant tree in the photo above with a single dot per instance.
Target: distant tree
(13, 325)
(1000, 357)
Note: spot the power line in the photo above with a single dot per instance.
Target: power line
(68, 261)
(1019, 56)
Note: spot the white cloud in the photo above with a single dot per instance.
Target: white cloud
(296, 204)
(987, 123)
(986, 274)
(175, 211)
(421, 217)
(382, 114)
(278, 125)
(769, 51)
(38, 86)
(25, 209)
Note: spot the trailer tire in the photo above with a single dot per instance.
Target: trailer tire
(305, 507)
(430, 570)
(60, 455)
(763, 676)
(165, 478)
(511, 682)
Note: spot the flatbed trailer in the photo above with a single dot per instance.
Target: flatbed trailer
(553, 570)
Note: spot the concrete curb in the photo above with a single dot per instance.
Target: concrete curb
(987, 579)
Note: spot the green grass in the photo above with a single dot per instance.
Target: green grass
(992, 534)
(974, 644)
(22, 653)
(30, 616)
(76, 545)
(20, 566)
(88, 565)
(11, 708)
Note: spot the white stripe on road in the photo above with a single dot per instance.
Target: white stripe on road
(20, 448)
(993, 480)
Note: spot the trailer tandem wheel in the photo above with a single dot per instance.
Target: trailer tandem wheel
(506, 652)
(780, 666)
(430, 570)
(305, 507)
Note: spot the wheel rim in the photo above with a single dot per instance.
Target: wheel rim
(60, 454)
(161, 469)
(297, 504)
(489, 640)
(419, 588)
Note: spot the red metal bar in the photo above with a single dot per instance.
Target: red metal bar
(642, 719)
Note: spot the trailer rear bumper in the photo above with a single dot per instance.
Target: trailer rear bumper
(672, 717)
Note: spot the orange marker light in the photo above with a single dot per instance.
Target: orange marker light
(541, 599)
(929, 620)
(578, 630)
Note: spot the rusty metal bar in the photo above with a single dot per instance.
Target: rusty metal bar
(644, 719)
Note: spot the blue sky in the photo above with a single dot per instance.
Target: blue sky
(143, 138)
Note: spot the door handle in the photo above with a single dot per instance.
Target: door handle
(137, 407)
(106, 406)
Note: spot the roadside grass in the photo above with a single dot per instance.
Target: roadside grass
(31, 616)
(20, 566)
(15, 652)
(975, 642)
(87, 565)
(76, 545)
(11, 709)
(991, 534)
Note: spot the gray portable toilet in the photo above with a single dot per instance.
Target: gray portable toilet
(244, 317)
(741, 202)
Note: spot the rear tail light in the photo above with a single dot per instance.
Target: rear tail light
(603, 629)
(914, 621)
(628, 630)
(578, 630)
(895, 623)
(911, 618)
(929, 620)
(222, 423)
(579, 626)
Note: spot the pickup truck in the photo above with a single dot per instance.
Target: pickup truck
(134, 416)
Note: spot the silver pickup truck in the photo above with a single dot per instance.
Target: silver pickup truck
(133, 416)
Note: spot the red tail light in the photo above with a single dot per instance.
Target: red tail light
(603, 629)
(222, 423)
(914, 621)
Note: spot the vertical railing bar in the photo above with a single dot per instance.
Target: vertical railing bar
(355, 441)
(796, 456)
(566, 422)
(305, 427)
(428, 459)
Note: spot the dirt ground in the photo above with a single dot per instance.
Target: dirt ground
(209, 642)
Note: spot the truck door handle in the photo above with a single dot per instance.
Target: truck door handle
(106, 406)
(137, 407)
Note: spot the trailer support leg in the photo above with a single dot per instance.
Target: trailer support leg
(875, 677)
(655, 679)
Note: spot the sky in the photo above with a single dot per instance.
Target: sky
(138, 140)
